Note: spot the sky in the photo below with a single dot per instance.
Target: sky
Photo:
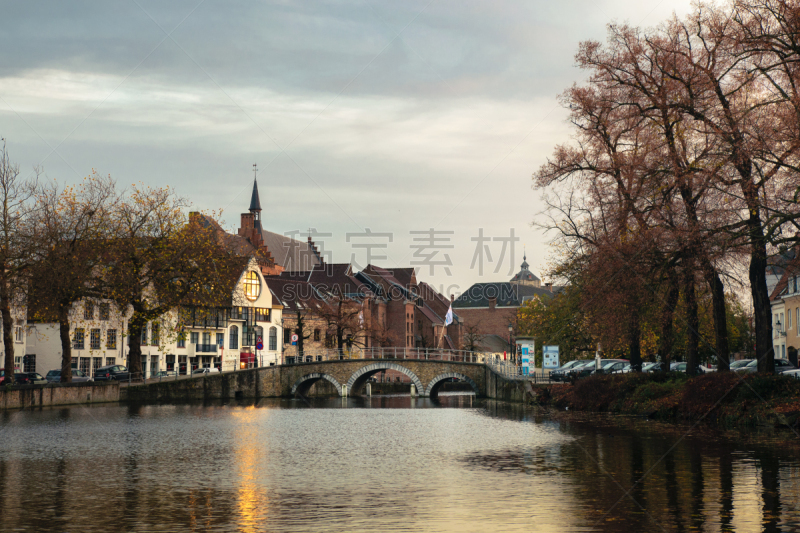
(408, 131)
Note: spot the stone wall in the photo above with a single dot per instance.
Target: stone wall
(58, 394)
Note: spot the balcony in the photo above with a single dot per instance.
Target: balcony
(205, 348)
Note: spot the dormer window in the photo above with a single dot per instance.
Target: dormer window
(252, 286)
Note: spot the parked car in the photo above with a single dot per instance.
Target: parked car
(589, 369)
(560, 373)
(29, 378)
(740, 363)
(2, 375)
(792, 373)
(107, 373)
(781, 366)
(680, 366)
(610, 366)
(165, 374)
(211, 370)
(54, 376)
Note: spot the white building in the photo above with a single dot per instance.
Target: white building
(224, 336)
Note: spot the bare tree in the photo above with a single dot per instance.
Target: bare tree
(16, 248)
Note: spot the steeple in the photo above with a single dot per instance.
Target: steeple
(255, 203)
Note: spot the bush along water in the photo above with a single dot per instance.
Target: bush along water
(726, 398)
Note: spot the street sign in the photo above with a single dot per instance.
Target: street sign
(259, 345)
(550, 355)
(260, 339)
(294, 339)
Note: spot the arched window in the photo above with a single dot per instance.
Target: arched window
(234, 338)
(252, 285)
(273, 338)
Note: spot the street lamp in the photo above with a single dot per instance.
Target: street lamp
(510, 345)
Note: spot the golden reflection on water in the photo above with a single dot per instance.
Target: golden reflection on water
(252, 500)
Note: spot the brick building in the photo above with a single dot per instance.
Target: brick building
(491, 308)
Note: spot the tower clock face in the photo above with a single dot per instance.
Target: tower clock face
(252, 286)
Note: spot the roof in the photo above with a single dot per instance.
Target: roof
(291, 254)
(255, 202)
(336, 279)
(506, 294)
(790, 268)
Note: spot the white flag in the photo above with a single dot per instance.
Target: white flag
(448, 318)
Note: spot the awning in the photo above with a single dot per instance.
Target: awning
(246, 357)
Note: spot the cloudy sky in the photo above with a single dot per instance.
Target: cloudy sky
(392, 117)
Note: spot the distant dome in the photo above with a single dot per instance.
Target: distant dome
(525, 276)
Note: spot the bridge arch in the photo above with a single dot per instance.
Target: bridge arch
(434, 384)
(364, 373)
(303, 384)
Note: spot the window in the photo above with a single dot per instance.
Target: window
(97, 362)
(287, 335)
(252, 286)
(316, 335)
(789, 320)
(77, 339)
(262, 315)
(18, 334)
(233, 338)
(155, 337)
(29, 363)
(273, 338)
(111, 339)
(88, 310)
(111, 361)
(84, 364)
(170, 362)
(94, 339)
(144, 335)
(194, 338)
(104, 311)
(182, 339)
(206, 338)
(221, 340)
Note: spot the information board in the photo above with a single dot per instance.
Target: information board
(526, 351)
(550, 356)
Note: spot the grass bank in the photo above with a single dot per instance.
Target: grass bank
(724, 399)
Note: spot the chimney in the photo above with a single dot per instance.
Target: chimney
(492, 302)
(452, 298)
(549, 286)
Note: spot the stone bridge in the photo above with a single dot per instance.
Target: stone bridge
(346, 377)
(349, 376)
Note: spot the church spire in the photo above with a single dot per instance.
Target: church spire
(255, 202)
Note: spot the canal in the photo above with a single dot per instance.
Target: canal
(385, 464)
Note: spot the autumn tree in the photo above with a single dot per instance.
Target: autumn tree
(72, 226)
(159, 260)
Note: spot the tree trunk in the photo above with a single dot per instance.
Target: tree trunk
(692, 322)
(8, 336)
(299, 331)
(761, 308)
(758, 280)
(667, 338)
(720, 317)
(66, 344)
(135, 327)
(635, 342)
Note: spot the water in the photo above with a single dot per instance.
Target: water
(389, 464)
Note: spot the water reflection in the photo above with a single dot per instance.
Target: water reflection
(385, 463)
